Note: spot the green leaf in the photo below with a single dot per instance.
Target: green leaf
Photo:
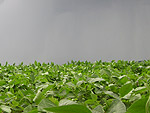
(89, 101)
(45, 103)
(6, 108)
(93, 96)
(74, 108)
(147, 86)
(98, 109)
(125, 89)
(1, 110)
(32, 77)
(112, 94)
(148, 105)
(92, 80)
(66, 102)
(15, 103)
(80, 82)
(117, 106)
(140, 89)
(2, 82)
(62, 93)
(40, 95)
(122, 79)
(27, 109)
(35, 62)
(138, 106)
(20, 93)
(33, 111)
(134, 97)
(106, 71)
(54, 100)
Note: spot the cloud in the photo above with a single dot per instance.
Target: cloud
(1, 1)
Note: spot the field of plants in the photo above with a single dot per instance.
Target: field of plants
(75, 87)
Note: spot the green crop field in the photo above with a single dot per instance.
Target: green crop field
(76, 87)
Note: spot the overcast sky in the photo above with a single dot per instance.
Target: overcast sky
(63, 30)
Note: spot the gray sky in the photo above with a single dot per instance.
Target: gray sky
(64, 30)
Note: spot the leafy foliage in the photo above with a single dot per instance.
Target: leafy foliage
(99, 87)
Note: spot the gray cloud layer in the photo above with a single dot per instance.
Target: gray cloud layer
(64, 30)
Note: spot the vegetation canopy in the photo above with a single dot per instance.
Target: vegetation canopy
(76, 87)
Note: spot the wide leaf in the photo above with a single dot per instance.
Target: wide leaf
(74, 108)
(125, 89)
(117, 106)
(6, 108)
(98, 109)
(138, 106)
(45, 103)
